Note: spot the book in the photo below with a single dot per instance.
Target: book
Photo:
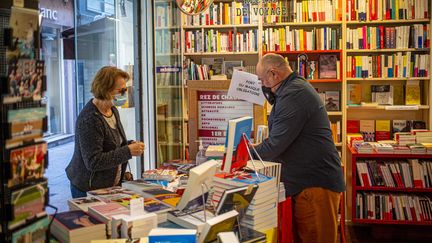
(221, 223)
(382, 94)
(235, 130)
(227, 237)
(412, 92)
(200, 179)
(104, 212)
(367, 129)
(353, 126)
(332, 100)
(328, 66)
(137, 226)
(75, 226)
(354, 94)
(139, 185)
(160, 235)
(236, 199)
(166, 197)
(83, 203)
(382, 130)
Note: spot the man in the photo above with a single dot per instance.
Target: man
(300, 139)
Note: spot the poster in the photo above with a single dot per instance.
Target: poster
(215, 109)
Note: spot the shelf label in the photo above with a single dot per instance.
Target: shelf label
(215, 109)
(402, 108)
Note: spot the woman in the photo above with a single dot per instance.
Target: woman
(101, 149)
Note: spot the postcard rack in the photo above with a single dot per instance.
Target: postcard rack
(23, 117)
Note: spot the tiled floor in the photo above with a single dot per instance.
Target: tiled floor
(58, 182)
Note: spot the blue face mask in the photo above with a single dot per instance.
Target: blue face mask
(119, 99)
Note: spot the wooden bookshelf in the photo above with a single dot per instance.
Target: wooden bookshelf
(382, 107)
(387, 50)
(353, 187)
(227, 26)
(389, 22)
(305, 24)
(324, 80)
(219, 53)
(388, 79)
(304, 52)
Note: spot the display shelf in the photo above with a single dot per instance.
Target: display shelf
(304, 52)
(228, 26)
(338, 144)
(170, 87)
(356, 155)
(324, 80)
(393, 189)
(304, 24)
(382, 107)
(334, 113)
(389, 22)
(388, 50)
(388, 79)
(402, 222)
(220, 53)
(168, 28)
(173, 119)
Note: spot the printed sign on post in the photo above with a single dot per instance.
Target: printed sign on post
(246, 86)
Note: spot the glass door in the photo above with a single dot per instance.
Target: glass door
(170, 118)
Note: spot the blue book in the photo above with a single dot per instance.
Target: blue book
(236, 128)
(160, 235)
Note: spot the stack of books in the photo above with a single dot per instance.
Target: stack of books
(401, 149)
(404, 138)
(261, 214)
(83, 203)
(364, 148)
(423, 136)
(77, 226)
(383, 148)
(105, 212)
(417, 148)
(138, 226)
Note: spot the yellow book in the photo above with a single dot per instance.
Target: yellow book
(301, 40)
(354, 94)
(218, 42)
(382, 125)
(412, 92)
(226, 13)
(238, 19)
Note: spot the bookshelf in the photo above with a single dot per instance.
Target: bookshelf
(339, 20)
(356, 189)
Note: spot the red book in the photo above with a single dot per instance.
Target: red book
(379, 66)
(353, 12)
(207, 17)
(353, 67)
(353, 126)
(230, 37)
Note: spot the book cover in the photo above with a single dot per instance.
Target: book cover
(382, 94)
(332, 100)
(398, 94)
(354, 94)
(382, 130)
(353, 126)
(160, 235)
(235, 130)
(106, 211)
(73, 220)
(401, 126)
(367, 129)
(412, 92)
(153, 206)
(169, 198)
(328, 66)
(83, 203)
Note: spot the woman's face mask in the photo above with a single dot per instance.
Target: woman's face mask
(120, 99)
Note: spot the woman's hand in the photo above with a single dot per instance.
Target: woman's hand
(136, 148)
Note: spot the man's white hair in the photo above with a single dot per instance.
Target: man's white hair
(272, 60)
